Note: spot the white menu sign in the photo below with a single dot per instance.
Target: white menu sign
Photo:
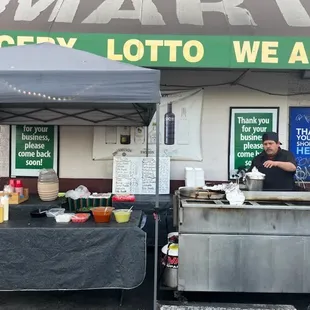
(137, 175)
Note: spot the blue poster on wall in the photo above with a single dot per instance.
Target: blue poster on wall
(299, 140)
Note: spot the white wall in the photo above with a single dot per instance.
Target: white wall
(75, 161)
(4, 151)
(76, 142)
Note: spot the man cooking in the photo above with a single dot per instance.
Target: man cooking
(278, 165)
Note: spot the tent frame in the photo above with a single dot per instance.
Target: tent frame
(77, 115)
(156, 208)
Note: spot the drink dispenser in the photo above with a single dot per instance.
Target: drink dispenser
(48, 185)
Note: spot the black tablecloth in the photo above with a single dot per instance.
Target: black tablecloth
(146, 203)
(40, 254)
(35, 201)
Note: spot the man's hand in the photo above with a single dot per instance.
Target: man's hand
(270, 164)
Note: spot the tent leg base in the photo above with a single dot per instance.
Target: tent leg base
(179, 297)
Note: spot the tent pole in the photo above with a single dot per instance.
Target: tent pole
(156, 208)
(147, 141)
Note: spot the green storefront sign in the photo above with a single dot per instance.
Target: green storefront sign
(33, 148)
(246, 128)
(180, 50)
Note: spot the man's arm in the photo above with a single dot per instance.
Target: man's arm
(285, 165)
(289, 164)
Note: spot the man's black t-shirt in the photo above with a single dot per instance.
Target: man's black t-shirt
(276, 178)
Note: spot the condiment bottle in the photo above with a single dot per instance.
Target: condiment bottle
(19, 189)
(12, 184)
(5, 204)
(1, 213)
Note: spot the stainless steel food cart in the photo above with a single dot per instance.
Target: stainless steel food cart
(261, 246)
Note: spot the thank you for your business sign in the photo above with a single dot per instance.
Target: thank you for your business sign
(247, 125)
(33, 148)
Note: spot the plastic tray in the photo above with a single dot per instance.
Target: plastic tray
(55, 211)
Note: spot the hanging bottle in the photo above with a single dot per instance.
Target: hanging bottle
(169, 125)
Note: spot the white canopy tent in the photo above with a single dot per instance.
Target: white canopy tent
(49, 84)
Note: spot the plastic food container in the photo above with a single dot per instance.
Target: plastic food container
(102, 214)
(80, 217)
(63, 218)
(38, 213)
(122, 215)
(55, 211)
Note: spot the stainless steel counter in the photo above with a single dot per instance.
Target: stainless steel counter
(257, 247)
(218, 217)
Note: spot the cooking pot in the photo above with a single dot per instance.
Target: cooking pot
(254, 183)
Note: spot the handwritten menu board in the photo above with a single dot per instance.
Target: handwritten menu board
(137, 175)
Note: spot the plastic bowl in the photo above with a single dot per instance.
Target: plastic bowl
(80, 217)
(102, 214)
(122, 215)
(63, 218)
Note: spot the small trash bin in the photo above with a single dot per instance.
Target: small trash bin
(170, 265)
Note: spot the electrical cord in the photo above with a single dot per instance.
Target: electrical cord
(273, 94)
(56, 15)
(237, 84)
(196, 86)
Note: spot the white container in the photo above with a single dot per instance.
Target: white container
(48, 185)
(64, 218)
(199, 177)
(55, 211)
(172, 237)
(194, 177)
(5, 204)
(190, 177)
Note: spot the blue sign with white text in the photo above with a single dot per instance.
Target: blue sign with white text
(299, 140)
